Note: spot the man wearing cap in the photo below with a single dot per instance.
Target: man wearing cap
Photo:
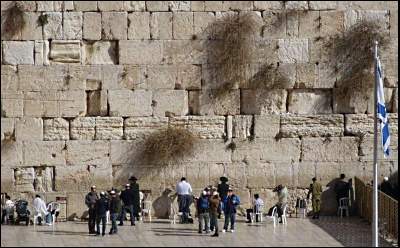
(101, 211)
(136, 196)
(232, 201)
(90, 201)
(127, 197)
(315, 190)
(184, 191)
(115, 208)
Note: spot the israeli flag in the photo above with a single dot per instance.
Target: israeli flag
(382, 115)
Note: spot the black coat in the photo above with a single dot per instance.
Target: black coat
(101, 206)
(136, 197)
(223, 189)
(115, 205)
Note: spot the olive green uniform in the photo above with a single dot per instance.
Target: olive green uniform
(316, 191)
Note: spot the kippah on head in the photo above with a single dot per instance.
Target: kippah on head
(314, 179)
(38, 196)
(183, 179)
(342, 175)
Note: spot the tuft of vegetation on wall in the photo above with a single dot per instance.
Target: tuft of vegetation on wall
(13, 20)
(169, 145)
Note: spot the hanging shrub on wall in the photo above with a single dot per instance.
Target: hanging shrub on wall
(13, 21)
(169, 145)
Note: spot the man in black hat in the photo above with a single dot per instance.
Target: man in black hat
(223, 192)
(136, 196)
(127, 197)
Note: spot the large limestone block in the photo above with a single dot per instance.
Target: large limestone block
(161, 77)
(367, 5)
(201, 20)
(7, 180)
(306, 171)
(170, 101)
(84, 77)
(381, 17)
(209, 150)
(198, 174)
(308, 24)
(44, 153)
(140, 52)
(85, 5)
(53, 29)
(310, 102)
(55, 77)
(213, 6)
(9, 78)
(208, 104)
(394, 22)
(42, 104)
(42, 78)
(182, 25)
(75, 209)
(87, 152)
(110, 6)
(55, 129)
(262, 101)
(285, 174)
(242, 126)
(179, 5)
(7, 128)
(109, 128)
(126, 152)
(197, 6)
(130, 103)
(24, 178)
(266, 126)
(64, 6)
(11, 154)
(307, 76)
(260, 175)
(120, 77)
(114, 25)
(18, 52)
(204, 127)
(42, 50)
(73, 25)
(31, 31)
(327, 172)
(189, 77)
(311, 126)
(367, 148)
(12, 103)
(237, 5)
(161, 25)
(72, 103)
(45, 5)
(27, 6)
(184, 52)
(83, 128)
(275, 24)
(157, 6)
(362, 124)
(395, 103)
(296, 5)
(323, 5)
(268, 5)
(29, 129)
(142, 127)
(92, 26)
(139, 25)
(133, 77)
(135, 5)
(330, 149)
(100, 52)
(332, 22)
(65, 51)
(293, 50)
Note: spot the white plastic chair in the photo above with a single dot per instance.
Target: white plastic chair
(343, 205)
(56, 207)
(36, 215)
(284, 221)
(175, 213)
(259, 211)
(147, 209)
(274, 215)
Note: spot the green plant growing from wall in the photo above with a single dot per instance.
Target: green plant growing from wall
(13, 21)
(352, 58)
(43, 20)
(169, 145)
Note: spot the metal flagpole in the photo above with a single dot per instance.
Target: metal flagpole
(375, 240)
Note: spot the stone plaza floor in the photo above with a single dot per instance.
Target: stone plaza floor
(328, 231)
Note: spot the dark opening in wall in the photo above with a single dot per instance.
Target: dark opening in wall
(96, 102)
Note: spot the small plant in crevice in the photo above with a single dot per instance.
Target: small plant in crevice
(327, 139)
(352, 58)
(231, 146)
(12, 20)
(169, 145)
(8, 139)
(43, 20)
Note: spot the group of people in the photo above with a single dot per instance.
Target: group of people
(117, 203)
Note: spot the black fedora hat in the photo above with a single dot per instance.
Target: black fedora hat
(223, 179)
(132, 178)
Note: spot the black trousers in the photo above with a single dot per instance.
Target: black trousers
(103, 219)
(92, 220)
(248, 212)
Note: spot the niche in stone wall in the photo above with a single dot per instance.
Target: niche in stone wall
(96, 99)
(35, 179)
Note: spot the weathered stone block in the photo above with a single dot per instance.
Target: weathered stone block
(157, 6)
(72, 103)
(73, 25)
(12, 103)
(65, 51)
(367, 148)
(327, 172)
(237, 5)
(198, 174)
(170, 101)
(309, 24)
(310, 102)
(275, 24)
(285, 174)
(184, 52)
(201, 21)
(182, 25)
(55, 129)
(100, 52)
(179, 5)
(42, 50)
(11, 153)
(292, 24)
(306, 171)
(27, 6)
(55, 77)
(332, 22)
(53, 29)
(92, 26)
(85, 5)
(260, 175)
(394, 22)
(43, 103)
(97, 103)
(109, 128)
(140, 52)
(110, 6)
(263, 101)
(228, 104)
(242, 126)
(296, 5)
(209, 150)
(133, 77)
(139, 27)
(135, 5)
(161, 25)
(24, 178)
(7, 128)
(7, 179)
(114, 25)
(189, 77)
(45, 5)
(9, 78)
(204, 127)
(141, 127)
(213, 6)
(197, 6)
(130, 103)
(330, 149)
(381, 17)
(314, 126)
(18, 52)
(44, 153)
(362, 124)
(126, 152)
(267, 5)
(31, 31)
(83, 128)
(293, 50)
(266, 126)
(29, 129)
(161, 77)
(84, 152)
(323, 5)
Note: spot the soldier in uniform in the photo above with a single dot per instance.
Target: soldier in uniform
(315, 190)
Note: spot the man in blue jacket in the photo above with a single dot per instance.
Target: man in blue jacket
(232, 201)
(101, 210)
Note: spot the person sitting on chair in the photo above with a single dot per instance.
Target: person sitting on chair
(8, 210)
(257, 205)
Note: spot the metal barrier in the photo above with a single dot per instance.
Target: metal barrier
(388, 208)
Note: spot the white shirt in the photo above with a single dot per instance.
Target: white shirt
(39, 206)
(258, 203)
(9, 204)
(183, 188)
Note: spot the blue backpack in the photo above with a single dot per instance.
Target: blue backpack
(203, 203)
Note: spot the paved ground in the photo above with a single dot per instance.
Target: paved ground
(328, 231)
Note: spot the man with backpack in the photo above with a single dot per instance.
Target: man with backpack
(232, 201)
(203, 207)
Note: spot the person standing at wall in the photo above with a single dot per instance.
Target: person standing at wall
(315, 190)
(101, 213)
(136, 197)
(127, 197)
(184, 191)
(203, 208)
(223, 192)
(214, 205)
(232, 201)
(341, 188)
(90, 201)
(115, 209)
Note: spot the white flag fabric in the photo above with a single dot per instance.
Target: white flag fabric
(381, 109)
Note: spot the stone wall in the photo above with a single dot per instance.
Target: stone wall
(80, 95)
